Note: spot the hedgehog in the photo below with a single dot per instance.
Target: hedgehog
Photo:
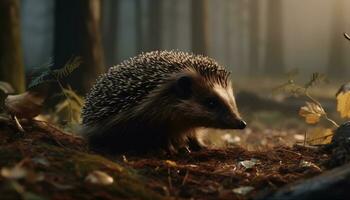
(157, 100)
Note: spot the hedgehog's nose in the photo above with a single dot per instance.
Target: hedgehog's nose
(242, 124)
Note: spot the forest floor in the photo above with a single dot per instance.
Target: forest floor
(45, 163)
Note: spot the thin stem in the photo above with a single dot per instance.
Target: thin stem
(320, 105)
(64, 93)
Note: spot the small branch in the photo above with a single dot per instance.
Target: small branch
(169, 180)
(19, 126)
(323, 137)
(332, 121)
(346, 36)
(286, 150)
(185, 178)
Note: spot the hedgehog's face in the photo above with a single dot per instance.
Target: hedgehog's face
(207, 105)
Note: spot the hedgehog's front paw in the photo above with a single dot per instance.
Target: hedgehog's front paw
(194, 144)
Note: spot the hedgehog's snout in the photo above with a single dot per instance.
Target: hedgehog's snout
(241, 124)
(232, 122)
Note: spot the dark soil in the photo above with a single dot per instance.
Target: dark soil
(64, 162)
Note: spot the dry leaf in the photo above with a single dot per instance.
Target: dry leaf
(243, 190)
(248, 164)
(308, 164)
(15, 172)
(171, 163)
(319, 136)
(25, 105)
(99, 177)
(343, 104)
(18, 172)
(70, 108)
(299, 137)
(312, 112)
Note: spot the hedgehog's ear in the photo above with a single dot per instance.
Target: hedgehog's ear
(183, 87)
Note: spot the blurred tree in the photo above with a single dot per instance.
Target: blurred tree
(337, 64)
(110, 30)
(239, 17)
(254, 34)
(173, 13)
(11, 58)
(138, 26)
(228, 23)
(77, 33)
(155, 25)
(200, 37)
(274, 57)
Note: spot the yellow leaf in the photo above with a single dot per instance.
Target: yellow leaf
(171, 163)
(99, 178)
(319, 136)
(343, 104)
(312, 112)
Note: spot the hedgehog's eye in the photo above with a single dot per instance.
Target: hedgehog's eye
(211, 102)
(183, 87)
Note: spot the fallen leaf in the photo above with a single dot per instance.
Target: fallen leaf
(243, 190)
(62, 186)
(99, 178)
(308, 164)
(15, 172)
(25, 105)
(171, 163)
(41, 161)
(299, 137)
(319, 135)
(230, 139)
(248, 164)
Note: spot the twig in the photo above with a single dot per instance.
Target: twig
(298, 154)
(325, 136)
(320, 105)
(169, 180)
(19, 126)
(347, 36)
(185, 178)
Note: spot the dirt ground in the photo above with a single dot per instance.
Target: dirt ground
(227, 173)
(57, 165)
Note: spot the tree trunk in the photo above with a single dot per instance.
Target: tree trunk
(337, 65)
(77, 33)
(200, 35)
(155, 25)
(274, 58)
(11, 57)
(110, 30)
(254, 33)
